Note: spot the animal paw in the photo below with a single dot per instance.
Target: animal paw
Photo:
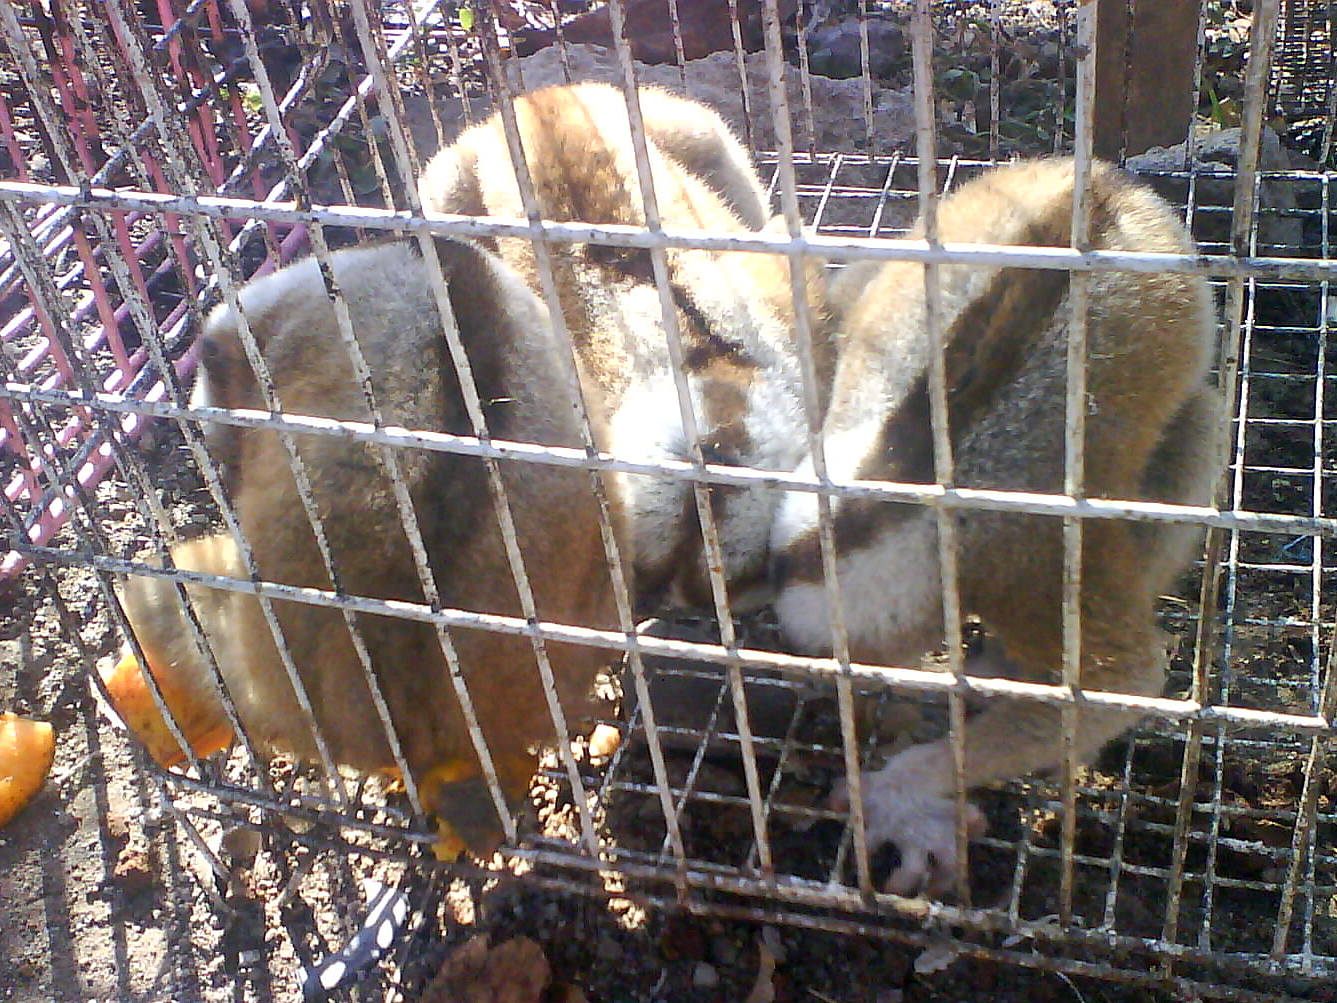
(909, 802)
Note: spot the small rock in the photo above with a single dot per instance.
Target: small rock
(512, 972)
(240, 845)
(724, 949)
(117, 827)
(682, 940)
(704, 976)
(1279, 231)
(27, 969)
(836, 50)
(133, 872)
(604, 740)
(608, 949)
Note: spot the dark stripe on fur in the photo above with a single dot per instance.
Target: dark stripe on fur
(986, 347)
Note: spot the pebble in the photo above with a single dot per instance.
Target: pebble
(241, 845)
(604, 741)
(682, 939)
(133, 872)
(724, 949)
(609, 949)
(704, 976)
(837, 50)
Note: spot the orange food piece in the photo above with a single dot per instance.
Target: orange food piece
(205, 727)
(27, 749)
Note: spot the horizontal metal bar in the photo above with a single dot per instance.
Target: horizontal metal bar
(923, 680)
(831, 248)
(891, 491)
(798, 891)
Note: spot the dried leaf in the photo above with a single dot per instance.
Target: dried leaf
(512, 972)
(769, 951)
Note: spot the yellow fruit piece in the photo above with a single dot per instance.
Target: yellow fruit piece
(26, 751)
(448, 845)
(452, 771)
(206, 728)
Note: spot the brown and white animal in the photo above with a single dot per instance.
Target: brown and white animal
(734, 310)
(517, 368)
(1153, 432)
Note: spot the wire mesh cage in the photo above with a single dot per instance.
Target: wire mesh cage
(1302, 88)
(165, 161)
(1304, 60)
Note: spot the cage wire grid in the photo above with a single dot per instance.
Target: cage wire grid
(217, 175)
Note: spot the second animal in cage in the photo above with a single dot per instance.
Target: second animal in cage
(1153, 433)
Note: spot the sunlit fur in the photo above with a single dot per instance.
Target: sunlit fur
(734, 310)
(516, 366)
(1153, 431)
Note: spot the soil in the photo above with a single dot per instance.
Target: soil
(117, 883)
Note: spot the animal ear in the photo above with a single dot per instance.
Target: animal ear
(224, 369)
(480, 297)
(496, 313)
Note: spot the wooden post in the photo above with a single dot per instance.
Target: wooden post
(1145, 51)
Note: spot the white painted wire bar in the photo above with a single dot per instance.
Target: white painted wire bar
(816, 449)
(1074, 435)
(613, 235)
(925, 105)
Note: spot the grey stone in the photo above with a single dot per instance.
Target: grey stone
(704, 976)
(836, 50)
(1163, 167)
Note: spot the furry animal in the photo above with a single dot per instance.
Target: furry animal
(1153, 432)
(734, 311)
(513, 354)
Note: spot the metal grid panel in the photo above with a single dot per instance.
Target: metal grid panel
(1249, 730)
(1304, 63)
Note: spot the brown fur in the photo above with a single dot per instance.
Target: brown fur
(1153, 432)
(512, 353)
(734, 310)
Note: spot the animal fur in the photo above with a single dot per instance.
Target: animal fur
(734, 310)
(513, 354)
(1153, 432)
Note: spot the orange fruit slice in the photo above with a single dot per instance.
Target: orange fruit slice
(206, 728)
(27, 749)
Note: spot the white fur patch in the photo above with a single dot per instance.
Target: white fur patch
(648, 427)
(796, 513)
(889, 592)
(202, 394)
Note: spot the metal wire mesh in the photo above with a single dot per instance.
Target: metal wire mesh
(159, 161)
(1304, 62)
